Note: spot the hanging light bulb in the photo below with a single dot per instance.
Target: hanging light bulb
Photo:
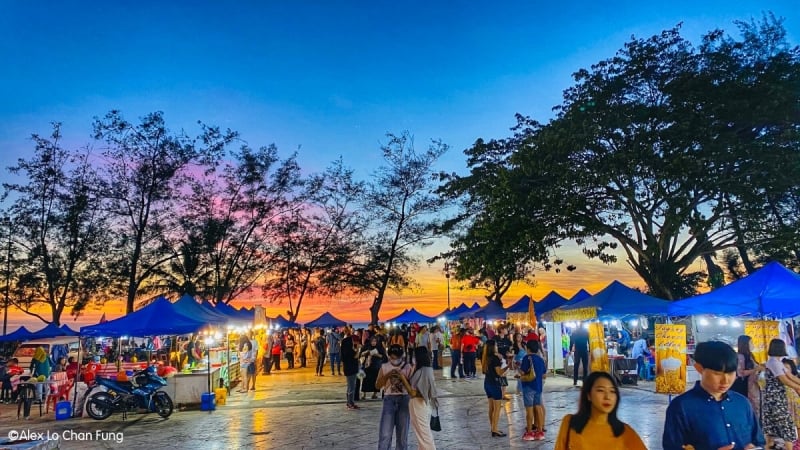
(703, 321)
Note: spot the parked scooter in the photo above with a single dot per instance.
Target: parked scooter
(142, 392)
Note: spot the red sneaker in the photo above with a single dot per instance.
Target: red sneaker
(529, 436)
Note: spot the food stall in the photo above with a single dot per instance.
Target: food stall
(161, 318)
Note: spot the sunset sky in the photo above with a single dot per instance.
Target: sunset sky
(328, 79)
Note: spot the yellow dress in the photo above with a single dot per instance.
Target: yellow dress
(597, 436)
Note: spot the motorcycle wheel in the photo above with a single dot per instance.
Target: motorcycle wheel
(97, 408)
(163, 404)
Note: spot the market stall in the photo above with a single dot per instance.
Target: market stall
(615, 302)
(162, 318)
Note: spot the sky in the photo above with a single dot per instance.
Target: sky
(329, 79)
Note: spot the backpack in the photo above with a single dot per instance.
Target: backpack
(530, 375)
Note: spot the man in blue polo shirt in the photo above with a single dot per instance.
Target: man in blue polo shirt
(709, 417)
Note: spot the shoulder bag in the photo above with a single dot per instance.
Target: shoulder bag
(530, 375)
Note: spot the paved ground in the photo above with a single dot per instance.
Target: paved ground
(293, 409)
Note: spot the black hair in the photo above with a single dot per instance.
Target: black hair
(791, 365)
(579, 420)
(489, 351)
(422, 357)
(743, 348)
(776, 348)
(395, 350)
(717, 356)
(532, 346)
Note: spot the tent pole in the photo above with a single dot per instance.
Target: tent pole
(77, 378)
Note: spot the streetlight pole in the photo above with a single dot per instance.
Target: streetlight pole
(447, 275)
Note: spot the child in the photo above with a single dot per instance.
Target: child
(532, 392)
(8, 373)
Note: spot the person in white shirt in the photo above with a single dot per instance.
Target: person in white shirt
(437, 346)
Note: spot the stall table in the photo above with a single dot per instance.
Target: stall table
(187, 388)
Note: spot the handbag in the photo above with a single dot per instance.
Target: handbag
(528, 376)
(436, 425)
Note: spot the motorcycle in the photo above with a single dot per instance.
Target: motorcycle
(140, 393)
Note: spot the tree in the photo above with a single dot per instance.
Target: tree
(401, 201)
(493, 245)
(319, 240)
(651, 151)
(60, 231)
(754, 116)
(144, 170)
(232, 219)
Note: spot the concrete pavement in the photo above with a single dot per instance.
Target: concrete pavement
(293, 409)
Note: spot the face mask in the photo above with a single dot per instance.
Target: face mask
(395, 362)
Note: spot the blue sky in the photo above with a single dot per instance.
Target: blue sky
(327, 77)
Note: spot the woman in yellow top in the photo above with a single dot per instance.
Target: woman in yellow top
(596, 424)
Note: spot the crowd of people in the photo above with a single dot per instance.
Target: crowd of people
(738, 403)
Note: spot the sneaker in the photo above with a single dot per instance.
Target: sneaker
(538, 436)
(529, 436)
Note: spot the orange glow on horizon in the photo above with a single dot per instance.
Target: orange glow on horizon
(429, 298)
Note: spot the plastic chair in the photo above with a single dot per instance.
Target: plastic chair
(63, 386)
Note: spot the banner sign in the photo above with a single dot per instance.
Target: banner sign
(670, 358)
(761, 332)
(598, 355)
(574, 314)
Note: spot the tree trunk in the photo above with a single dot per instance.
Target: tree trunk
(716, 277)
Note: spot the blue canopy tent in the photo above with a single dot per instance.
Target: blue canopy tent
(470, 312)
(68, 331)
(412, 316)
(772, 290)
(520, 306)
(189, 307)
(157, 318)
(50, 331)
(20, 334)
(492, 311)
(233, 313)
(616, 300)
(579, 296)
(455, 312)
(326, 320)
(247, 313)
(550, 302)
(283, 322)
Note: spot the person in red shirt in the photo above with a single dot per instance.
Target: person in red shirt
(531, 336)
(11, 369)
(72, 368)
(469, 349)
(91, 370)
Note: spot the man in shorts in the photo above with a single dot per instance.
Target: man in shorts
(532, 392)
